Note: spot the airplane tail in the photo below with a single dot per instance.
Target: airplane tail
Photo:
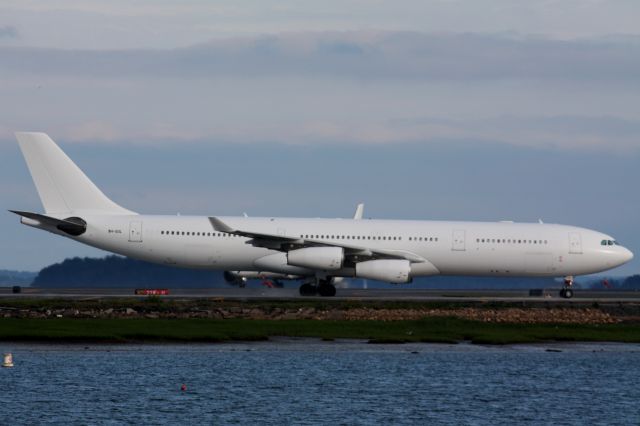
(63, 188)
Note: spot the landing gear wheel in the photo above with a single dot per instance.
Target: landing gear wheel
(567, 293)
(326, 290)
(308, 290)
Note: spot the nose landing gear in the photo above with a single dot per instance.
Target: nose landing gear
(567, 290)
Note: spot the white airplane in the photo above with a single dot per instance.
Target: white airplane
(318, 251)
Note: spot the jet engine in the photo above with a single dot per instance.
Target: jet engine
(390, 270)
(322, 258)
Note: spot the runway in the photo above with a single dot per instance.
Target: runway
(344, 294)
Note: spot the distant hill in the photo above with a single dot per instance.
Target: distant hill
(10, 278)
(116, 271)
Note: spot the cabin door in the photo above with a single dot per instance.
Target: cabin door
(458, 240)
(575, 243)
(135, 232)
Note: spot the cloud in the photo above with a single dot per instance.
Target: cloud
(552, 131)
(355, 55)
(361, 87)
(8, 31)
(93, 130)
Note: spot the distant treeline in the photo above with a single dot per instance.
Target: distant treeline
(116, 271)
(628, 283)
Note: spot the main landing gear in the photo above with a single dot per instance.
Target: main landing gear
(322, 287)
(567, 290)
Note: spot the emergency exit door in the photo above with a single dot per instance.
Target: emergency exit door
(458, 240)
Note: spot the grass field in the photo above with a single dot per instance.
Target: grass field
(439, 329)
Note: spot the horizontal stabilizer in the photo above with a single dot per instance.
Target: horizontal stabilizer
(72, 225)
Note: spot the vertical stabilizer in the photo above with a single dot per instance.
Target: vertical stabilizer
(62, 186)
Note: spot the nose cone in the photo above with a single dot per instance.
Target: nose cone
(626, 255)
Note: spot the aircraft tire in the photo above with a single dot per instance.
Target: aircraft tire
(327, 290)
(566, 293)
(308, 290)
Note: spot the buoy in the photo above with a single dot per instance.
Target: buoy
(183, 387)
(7, 360)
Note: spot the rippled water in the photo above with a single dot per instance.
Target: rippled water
(312, 382)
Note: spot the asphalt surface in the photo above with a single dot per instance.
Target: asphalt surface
(391, 294)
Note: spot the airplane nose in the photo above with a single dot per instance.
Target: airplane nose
(627, 255)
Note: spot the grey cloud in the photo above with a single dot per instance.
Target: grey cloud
(615, 133)
(8, 31)
(362, 55)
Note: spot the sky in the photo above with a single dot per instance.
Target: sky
(470, 110)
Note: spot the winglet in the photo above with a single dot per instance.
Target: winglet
(220, 226)
(359, 211)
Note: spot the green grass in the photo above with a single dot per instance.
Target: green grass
(444, 330)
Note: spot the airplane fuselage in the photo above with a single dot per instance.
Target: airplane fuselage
(453, 248)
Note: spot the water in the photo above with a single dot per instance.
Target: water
(311, 382)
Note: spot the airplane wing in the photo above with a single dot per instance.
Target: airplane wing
(284, 243)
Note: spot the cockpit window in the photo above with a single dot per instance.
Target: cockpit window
(609, 243)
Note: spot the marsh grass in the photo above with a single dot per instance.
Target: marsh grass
(434, 329)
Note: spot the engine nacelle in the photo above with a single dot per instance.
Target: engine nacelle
(323, 258)
(277, 262)
(390, 270)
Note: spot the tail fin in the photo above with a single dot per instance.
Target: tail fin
(62, 186)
